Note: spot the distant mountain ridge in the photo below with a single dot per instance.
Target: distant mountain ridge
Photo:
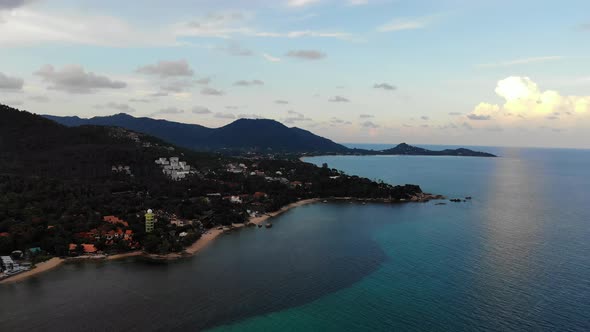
(242, 134)
(260, 135)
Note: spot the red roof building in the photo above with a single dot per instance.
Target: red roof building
(114, 220)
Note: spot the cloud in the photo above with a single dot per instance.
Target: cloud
(584, 26)
(12, 4)
(424, 117)
(370, 124)
(523, 61)
(358, 2)
(28, 27)
(338, 99)
(170, 110)
(10, 83)
(248, 83)
(14, 103)
(301, 3)
(224, 115)
(295, 117)
(74, 79)
(366, 116)
(479, 117)
(167, 69)
(250, 116)
(119, 107)
(159, 94)
(235, 49)
(384, 86)
(401, 24)
(523, 99)
(216, 25)
(39, 99)
(211, 92)
(203, 81)
(176, 86)
(282, 102)
(201, 110)
(270, 58)
(337, 121)
(139, 100)
(306, 54)
(455, 113)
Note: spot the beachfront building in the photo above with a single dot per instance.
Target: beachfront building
(149, 221)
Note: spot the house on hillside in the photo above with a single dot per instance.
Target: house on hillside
(114, 220)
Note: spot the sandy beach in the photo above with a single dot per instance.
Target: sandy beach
(194, 248)
(212, 234)
(40, 268)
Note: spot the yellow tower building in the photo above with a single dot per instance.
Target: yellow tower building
(149, 221)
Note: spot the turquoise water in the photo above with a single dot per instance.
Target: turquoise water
(515, 258)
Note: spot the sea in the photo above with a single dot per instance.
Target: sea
(516, 257)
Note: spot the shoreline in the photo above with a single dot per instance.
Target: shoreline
(212, 234)
(206, 239)
(39, 268)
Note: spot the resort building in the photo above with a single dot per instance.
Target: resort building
(149, 221)
(174, 168)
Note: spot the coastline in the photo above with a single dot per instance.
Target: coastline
(212, 234)
(208, 237)
(40, 268)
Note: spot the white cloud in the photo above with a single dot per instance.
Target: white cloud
(271, 58)
(523, 99)
(301, 3)
(523, 61)
(401, 24)
(26, 27)
(358, 2)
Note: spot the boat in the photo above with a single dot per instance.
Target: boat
(269, 225)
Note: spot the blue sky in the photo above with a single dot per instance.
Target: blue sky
(384, 71)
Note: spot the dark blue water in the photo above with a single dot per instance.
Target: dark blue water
(516, 257)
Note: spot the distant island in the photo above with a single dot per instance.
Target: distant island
(248, 135)
(96, 191)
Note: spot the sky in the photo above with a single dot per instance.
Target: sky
(458, 72)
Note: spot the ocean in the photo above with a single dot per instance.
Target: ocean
(514, 258)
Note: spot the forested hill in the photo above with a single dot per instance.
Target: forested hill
(33, 145)
(405, 149)
(249, 135)
(243, 135)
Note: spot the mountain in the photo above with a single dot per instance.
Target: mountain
(33, 145)
(247, 135)
(242, 134)
(405, 149)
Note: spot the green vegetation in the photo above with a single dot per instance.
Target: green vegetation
(57, 184)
